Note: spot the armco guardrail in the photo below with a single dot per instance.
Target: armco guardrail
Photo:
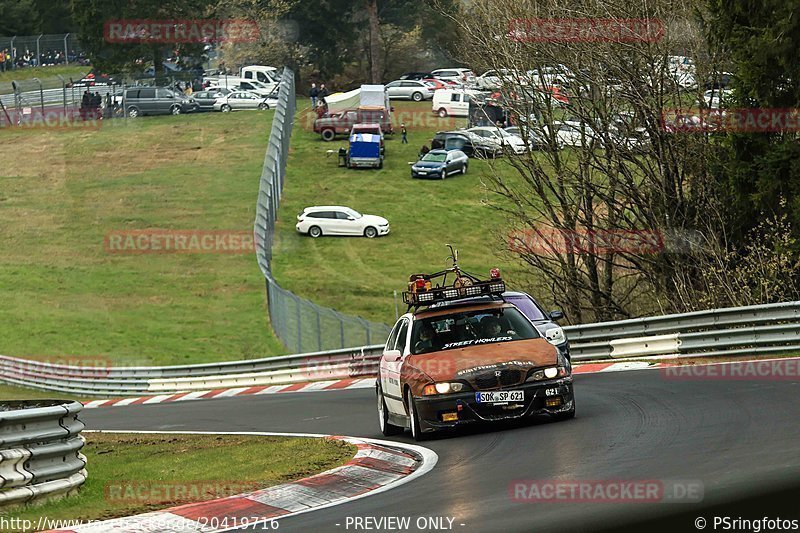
(40, 450)
(760, 329)
(756, 330)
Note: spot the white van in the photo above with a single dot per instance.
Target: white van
(264, 74)
(452, 102)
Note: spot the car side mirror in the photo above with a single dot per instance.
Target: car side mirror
(350, 218)
(556, 315)
(392, 355)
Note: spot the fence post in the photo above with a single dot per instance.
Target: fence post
(41, 94)
(66, 51)
(38, 52)
(13, 54)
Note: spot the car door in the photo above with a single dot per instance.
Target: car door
(329, 223)
(163, 101)
(346, 225)
(391, 365)
(393, 89)
(454, 105)
(146, 100)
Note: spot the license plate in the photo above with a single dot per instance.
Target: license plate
(503, 396)
(422, 172)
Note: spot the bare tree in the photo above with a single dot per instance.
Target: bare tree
(612, 221)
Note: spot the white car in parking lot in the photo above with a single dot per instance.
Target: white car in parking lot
(339, 220)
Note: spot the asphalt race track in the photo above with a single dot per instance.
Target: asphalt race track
(738, 438)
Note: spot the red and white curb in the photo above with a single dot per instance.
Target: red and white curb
(341, 384)
(377, 466)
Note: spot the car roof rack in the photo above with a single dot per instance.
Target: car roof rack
(427, 289)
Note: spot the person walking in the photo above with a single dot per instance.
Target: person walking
(313, 93)
(404, 133)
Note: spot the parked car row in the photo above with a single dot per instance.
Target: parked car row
(138, 101)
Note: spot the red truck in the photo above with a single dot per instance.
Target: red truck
(342, 123)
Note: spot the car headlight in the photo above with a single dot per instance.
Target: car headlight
(442, 388)
(549, 373)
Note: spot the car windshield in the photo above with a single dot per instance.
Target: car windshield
(434, 157)
(353, 213)
(469, 328)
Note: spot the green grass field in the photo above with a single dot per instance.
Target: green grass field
(172, 470)
(65, 296)
(356, 275)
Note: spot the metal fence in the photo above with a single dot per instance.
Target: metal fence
(741, 332)
(40, 450)
(300, 324)
(42, 50)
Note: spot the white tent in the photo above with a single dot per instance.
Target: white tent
(366, 96)
(339, 102)
(374, 96)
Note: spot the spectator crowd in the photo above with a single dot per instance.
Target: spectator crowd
(11, 59)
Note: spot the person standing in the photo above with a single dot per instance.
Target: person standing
(313, 93)
(404, 133)
(323, 93)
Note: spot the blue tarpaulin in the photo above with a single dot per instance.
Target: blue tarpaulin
(365, 145)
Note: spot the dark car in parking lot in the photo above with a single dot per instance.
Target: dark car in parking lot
(157, 101)
(455, 140)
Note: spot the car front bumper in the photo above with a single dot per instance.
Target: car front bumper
(383, 230)
(432, 408)
(429, 173)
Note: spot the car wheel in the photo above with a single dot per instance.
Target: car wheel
(413, 415)
(133, 112)
(464, 168)
(387, 429)
(442, 112)
(370, 232)
(417, 97)
(262, 106)
(315, 231)
(175, 110)
(328, 135)
(226, 108)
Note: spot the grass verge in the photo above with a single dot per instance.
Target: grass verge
(170, 470)
(66, 296)
(358, 276)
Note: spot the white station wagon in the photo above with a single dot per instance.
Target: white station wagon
(339, 220)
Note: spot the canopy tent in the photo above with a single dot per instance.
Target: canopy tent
(369, 96)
